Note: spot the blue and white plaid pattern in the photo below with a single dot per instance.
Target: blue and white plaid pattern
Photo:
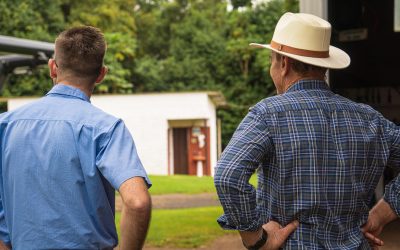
(319, 157)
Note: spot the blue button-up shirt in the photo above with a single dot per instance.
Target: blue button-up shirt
(61, 159)
(319, 157)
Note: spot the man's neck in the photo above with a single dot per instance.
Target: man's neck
(76, 84)
(294, 80)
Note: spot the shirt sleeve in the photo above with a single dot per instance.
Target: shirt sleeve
(245, 152)
(118, 160)
(392, 190)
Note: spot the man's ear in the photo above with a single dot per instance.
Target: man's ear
(285, 65)
(52, 68)
(103, 73)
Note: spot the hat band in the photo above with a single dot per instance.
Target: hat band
(299, 52)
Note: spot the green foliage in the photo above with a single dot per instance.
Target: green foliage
(30, 19)
(3, 107)
(161, 45)
(108, 15)
(37, 20)
(44, 20)
(181, 47)
(120, 52)
(35, 83)
(183, 228)
(240, 3)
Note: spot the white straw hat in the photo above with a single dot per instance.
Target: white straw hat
(306, 38)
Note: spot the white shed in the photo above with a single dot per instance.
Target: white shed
(175, 133)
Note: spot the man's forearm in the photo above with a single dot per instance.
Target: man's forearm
(250, 238)
(134, 226)
(136, 212)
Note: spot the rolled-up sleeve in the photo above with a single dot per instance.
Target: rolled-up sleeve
(392, 190)
(248, 148)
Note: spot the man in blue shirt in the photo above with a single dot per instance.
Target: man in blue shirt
(319, 156)
(62, 159)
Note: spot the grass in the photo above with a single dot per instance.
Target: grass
(185, 184)
(183, 228)
(181, 184)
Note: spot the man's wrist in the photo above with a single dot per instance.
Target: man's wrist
(259, 243)
(383, 212)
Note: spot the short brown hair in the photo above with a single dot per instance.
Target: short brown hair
(80, 52)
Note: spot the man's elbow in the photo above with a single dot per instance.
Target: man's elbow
(138, 204)
(220, 180)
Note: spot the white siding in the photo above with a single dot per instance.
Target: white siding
(315, 7)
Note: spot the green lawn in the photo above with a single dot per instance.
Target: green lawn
(181, 184)
(183, 228)
(184, 184)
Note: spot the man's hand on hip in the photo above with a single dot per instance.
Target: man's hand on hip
(277, 235)
(380, 215)
(372, 229)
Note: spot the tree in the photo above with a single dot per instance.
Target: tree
(37, 20)
(199, 45)
(43, 20)
(181, 42)
(240, 3)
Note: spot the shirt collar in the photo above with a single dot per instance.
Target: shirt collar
(308, 84)
(66, 90)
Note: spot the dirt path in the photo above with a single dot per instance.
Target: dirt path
(172, 201)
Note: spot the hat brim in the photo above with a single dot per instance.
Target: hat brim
(338, 59)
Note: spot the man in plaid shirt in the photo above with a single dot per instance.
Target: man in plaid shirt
(319, 156)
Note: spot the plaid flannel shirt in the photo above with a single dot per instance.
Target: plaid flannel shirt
(319, 157)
